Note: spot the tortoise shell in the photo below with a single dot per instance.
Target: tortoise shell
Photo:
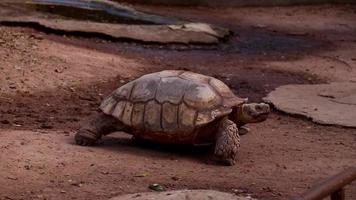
(170, 101)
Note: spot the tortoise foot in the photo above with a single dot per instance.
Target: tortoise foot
(85, 138)
(224, 161)
(243, 130)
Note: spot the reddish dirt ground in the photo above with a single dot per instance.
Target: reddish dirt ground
(52, 83)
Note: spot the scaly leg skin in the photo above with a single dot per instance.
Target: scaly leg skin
(227, 142)
(91, 132)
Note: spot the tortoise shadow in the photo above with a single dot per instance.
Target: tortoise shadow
(122, 142)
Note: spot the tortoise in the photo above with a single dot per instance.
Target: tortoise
(178, 107)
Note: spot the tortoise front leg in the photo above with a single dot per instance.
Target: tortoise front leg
(91, 132)
(227, 142)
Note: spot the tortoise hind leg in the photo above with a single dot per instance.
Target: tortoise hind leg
(227, 142)
(91, 132)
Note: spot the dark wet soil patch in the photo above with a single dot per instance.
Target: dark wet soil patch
(257, 83)
(263, 42)
(67, 108)
(244, 42)
(63, 108)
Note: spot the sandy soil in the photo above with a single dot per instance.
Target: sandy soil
(51, 83)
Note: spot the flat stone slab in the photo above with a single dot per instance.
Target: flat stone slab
(330, 104)
(159, 30)
(144, 33)
(182, 195)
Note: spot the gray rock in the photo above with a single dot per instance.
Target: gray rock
(145, 33)
(182, 195)
(331, 104)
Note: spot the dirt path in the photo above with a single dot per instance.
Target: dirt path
(50, 84)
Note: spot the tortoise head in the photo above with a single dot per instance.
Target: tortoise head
(252, 113)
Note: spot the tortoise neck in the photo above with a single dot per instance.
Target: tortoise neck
(237, 116)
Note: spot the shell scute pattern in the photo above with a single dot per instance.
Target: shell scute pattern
(170, 101)
(119, 109)
(170, 117)
(186, 118)
(195, 77)
(171, 89)
(123, 92)
(108, 105)
(201, 96)
(229, 98)
(126, 115)
(152, 116)
(222, 89)
(137, 118)
(145, 89)
(169, 73)
(205, 117)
